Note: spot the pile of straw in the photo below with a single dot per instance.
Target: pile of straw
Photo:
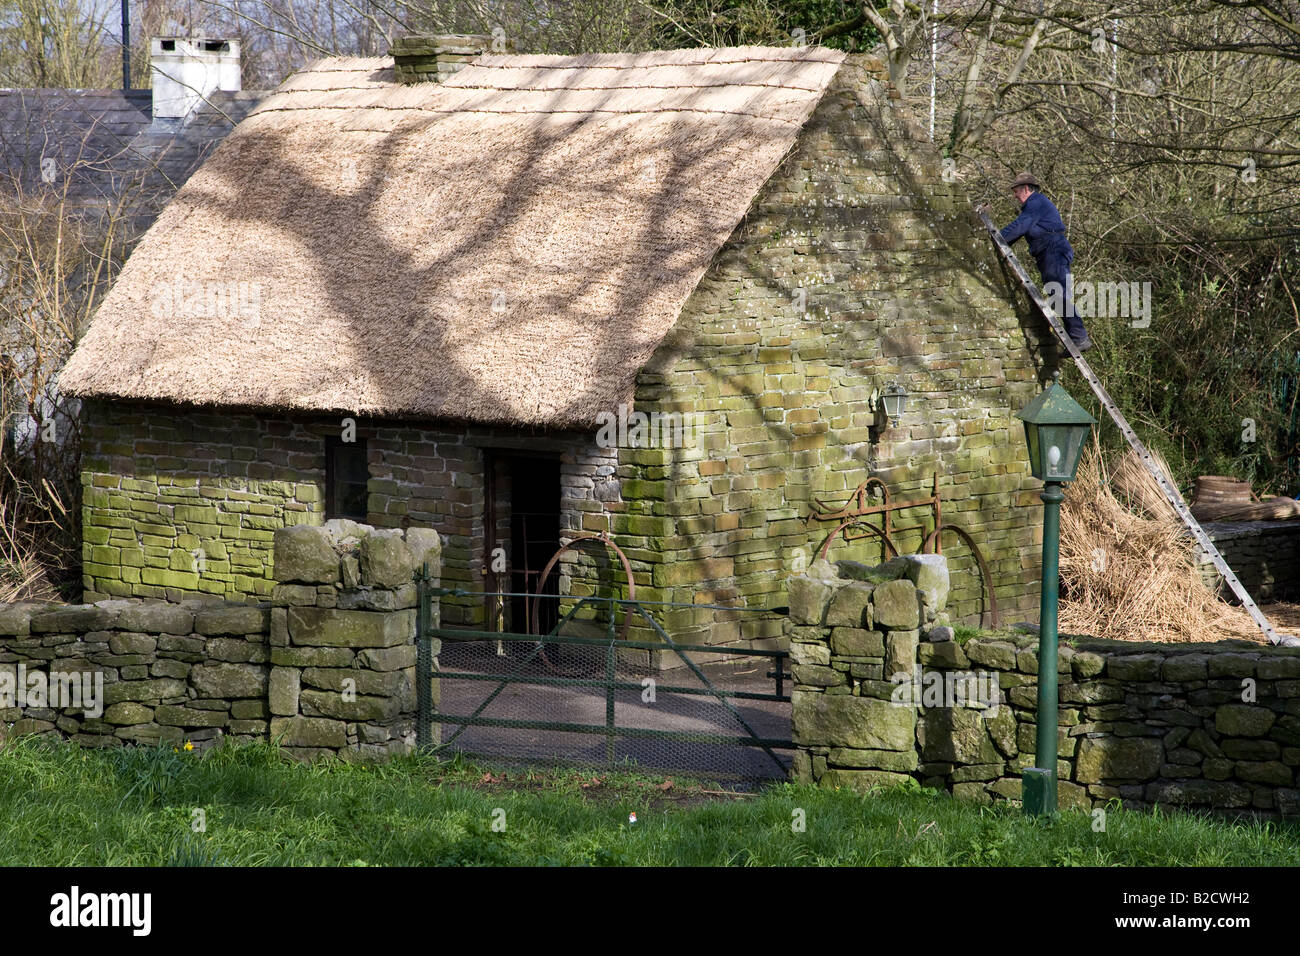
(1128, 566)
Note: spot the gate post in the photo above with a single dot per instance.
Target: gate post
(427, 647)
(343, 637)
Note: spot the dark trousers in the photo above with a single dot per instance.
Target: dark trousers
(1055, 267)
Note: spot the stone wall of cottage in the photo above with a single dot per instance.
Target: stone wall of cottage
(857, 265)
(882, 695)
(179, 501)
(326, 666)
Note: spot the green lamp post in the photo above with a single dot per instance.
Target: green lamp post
(1055, 427)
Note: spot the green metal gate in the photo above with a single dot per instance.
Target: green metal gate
(602, 700)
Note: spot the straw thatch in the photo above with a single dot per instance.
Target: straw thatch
(1128, 566)
(508, 247)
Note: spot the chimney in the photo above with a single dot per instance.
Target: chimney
(186, 71)
(434, 58)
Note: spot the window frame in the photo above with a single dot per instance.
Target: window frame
(336, 487)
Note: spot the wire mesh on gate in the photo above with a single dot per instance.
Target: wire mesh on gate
(584, 697)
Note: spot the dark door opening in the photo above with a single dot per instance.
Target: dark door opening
(524, 502)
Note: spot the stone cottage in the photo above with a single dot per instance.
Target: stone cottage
(521, 298)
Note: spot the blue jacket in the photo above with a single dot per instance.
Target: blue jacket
(1041, 225)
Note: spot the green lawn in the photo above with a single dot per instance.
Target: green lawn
(67, 806)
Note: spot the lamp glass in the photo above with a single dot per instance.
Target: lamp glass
(1055, 450)
(895, 401)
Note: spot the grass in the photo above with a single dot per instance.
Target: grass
(134, 806)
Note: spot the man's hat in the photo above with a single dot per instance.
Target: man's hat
(1026, 179)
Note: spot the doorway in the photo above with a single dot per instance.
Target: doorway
(522, 527)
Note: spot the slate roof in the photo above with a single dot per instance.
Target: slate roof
(101, 147)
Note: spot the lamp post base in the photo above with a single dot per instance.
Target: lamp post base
(1038, 791)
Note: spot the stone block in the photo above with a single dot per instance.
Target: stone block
(1198, 793)
(808, 597)
(1243, 720)
(160, 688)
(946, 655)
(900, 652)
(972, 792)
(229, 680)
(850, 606)
(929, 572)
(390, 658)
(320, 703)
(378, 683)
(304, 554)
(1118, 758)
(172, 715)
(73, 619)
(385, 560)
(312, 656)
(898, 761)
(309, 732)
(130, 643)
(1185, 667)
(997, 655)
(235, 619)
(1138, 667)
(331, 627)
(283, 688)
(16, 619)
(861, 723)
(957, 735)
(156, 618)
(897, 605)
(1272, 772)
(810, 654)
(127, 713)
(856, 642)
(861, 780)
(249, 710)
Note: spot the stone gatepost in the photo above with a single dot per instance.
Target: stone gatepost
(853, 632)
(342, 637)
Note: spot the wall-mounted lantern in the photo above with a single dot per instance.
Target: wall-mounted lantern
(895, 401)
(891, 403)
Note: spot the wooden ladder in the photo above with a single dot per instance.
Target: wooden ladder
(1162, 481)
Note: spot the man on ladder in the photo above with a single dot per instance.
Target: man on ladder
(1041, 226)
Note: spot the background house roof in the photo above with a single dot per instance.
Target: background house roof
(107, 152)
(508, 247)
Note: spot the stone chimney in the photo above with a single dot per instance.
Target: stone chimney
(186, 71)
(419, 58)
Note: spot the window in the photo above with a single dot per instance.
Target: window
(346, 473)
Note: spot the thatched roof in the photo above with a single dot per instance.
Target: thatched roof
(508, 247)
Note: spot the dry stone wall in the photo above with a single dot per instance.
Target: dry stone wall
(1265, 556)
(1193, 725)
(326, 666)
